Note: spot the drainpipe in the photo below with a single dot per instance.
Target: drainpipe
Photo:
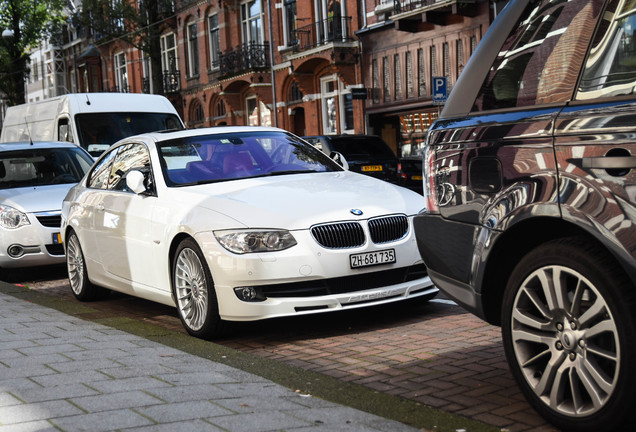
(271, 62)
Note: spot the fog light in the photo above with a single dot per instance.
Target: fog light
(15, 251)
(249, 294)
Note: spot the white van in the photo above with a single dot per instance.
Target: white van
(92, 120)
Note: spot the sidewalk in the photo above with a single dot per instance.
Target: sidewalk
(59, 372)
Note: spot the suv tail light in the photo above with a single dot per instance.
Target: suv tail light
(429, 180)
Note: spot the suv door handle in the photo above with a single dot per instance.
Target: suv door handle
(609, 162)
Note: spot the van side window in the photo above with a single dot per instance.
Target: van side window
(540, 59)
(64, 131)
(610, 68)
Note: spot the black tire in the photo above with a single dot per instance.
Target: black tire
(83, 289)
(568, 327)
(194, 294)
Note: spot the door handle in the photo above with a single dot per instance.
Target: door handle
(609, 162)
(99, 207)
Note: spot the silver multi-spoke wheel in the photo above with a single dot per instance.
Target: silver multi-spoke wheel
(191, 289)
(75, 264)
(565, 341)
(81, 286)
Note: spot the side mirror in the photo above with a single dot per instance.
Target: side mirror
(339, 159)
(135, 181)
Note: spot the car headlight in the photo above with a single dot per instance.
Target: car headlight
(242, 242)
(11, 218)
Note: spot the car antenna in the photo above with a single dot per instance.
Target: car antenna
(26, 123)
(88, 101)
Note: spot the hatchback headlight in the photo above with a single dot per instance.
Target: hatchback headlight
(242, 242)
(11, 218)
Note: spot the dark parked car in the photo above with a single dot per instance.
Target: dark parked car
(410, 173)
(531, 187)
(366, 154)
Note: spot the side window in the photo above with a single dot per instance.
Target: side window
(609, 70)
(130, 157)
(101, 171)
(64, 131)
(540, 59)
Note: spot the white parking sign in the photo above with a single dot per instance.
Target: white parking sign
(439, 89)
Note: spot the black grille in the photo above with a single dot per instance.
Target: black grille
(345, 284)
(387, 229)
(50, 221)
(339, 235)
(55, 249)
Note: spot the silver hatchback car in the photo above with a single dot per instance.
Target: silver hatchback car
(34, 179)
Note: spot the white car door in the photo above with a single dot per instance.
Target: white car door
(123, 220)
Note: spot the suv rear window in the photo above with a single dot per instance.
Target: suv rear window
(540, 58)
(362, 146)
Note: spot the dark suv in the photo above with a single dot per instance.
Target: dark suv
(530, 179)
(366, 154)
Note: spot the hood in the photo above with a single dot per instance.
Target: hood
(35, 198)
(302, 200)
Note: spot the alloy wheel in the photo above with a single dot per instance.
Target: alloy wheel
(191, 289)
(565, 340)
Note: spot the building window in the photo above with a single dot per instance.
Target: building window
(289, 22)
(252, 22)
(329, 92)
(196, 113)
(397, 77)
(336, 100)
(376, 81)
(460, 56)
(121, 74)
(386, 80)
(295, 95)
(169, 53)
(258, 114)
(473, 44)
(220, 109)
(434, 71)
(193, 51)
(421, 74)
(446, 61)
(410, 86)
(215, 42)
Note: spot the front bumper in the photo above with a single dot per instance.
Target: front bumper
(308, 278)
(30, 245)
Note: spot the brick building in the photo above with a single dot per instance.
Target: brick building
(310, 67)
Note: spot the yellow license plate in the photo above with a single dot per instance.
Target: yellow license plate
(417, 177)
(372, 168)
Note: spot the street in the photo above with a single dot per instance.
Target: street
(435, 354)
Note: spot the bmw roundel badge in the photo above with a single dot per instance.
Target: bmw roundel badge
(356, 212)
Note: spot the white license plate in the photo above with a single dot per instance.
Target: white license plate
(372, 258)
(57, 238)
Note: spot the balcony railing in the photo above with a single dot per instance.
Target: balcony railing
(171, 82)
(322, 32)
(244, 58)
(400, 6)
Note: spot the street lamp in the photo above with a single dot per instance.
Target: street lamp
(7, 33)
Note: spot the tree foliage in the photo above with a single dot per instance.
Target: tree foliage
(31, 21)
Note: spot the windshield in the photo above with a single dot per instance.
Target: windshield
(39, 167)
(219, 157)
(97, 131)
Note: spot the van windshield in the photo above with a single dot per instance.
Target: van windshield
(97, 131)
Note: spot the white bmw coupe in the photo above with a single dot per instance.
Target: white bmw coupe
(237, 224)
